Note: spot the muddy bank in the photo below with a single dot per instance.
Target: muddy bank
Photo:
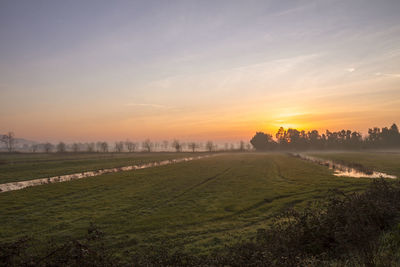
(349, 170)
(64, 178)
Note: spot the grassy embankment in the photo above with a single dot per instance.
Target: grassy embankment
(27, 166)
(387, 162)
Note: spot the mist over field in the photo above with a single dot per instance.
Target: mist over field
(200, 133)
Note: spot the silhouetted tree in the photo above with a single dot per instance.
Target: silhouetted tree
(104, 147)
(90, 147)
(9, 140)
(75, 147)
(262, 141)
(61, 147)
(210, 146)
(98, 146)
(176, 145)
(48, 147)
(343, 139)
(281, 136)
(156, 146)
(314, 139)
(390, 136)
(183, 146)
(355, 140)
(374, 136)
(165, 145)
(147, 145)
(241, 146)
(119, 146)
(226, 146)
(34, 148)
(131, 146)
(193, 146)
(232, 147)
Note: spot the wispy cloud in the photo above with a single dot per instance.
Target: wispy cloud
(297, 9)
(350, 69)
(395, 75)
(147, 105)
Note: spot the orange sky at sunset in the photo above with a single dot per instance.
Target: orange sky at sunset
(192, 71)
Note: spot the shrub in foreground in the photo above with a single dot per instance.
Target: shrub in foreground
(358, 229)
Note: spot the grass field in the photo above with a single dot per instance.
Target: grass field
(27, 166)
(388, 162)
(199, 204)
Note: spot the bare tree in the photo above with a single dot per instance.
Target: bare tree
(165, 145)
(210, 146)
(99, 146)
(119, 146)
(131, 146)
(193, 146)
(104, 147)
(90, 147)
(226, 146)
(200, 146)
(232, 147)
(248, 146)
(241, 146)
(147, 145)
(75, 147)
(9, 140)
(177, 145)
(34, 148)
(156, 146)
(48, 147)
(61, 147)
(183, 146)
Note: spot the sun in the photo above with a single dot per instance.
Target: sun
(287, 125)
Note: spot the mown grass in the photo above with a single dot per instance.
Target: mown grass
(387, 162)
(199, 205)
(27, 166)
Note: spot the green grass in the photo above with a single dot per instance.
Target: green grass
(200, 204)
(388, 162)
(28, 166)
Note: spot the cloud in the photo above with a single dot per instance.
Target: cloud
(395, 75)
(350, 69)
(297, 9)
(163, 83)
(147, 105)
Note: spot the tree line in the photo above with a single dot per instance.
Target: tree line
(147, 145)
(293, 139)
(284, 139)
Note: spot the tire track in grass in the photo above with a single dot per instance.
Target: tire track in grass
(199, 235)
(279, 173)
(168, 201)
(256, 205)
(195, 186)
(252, 207)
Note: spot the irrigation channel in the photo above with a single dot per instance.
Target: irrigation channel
(64, 178)
(341, 169)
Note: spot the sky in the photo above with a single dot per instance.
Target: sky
(196, 70)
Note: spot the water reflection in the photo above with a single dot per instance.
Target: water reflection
(343, 170)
